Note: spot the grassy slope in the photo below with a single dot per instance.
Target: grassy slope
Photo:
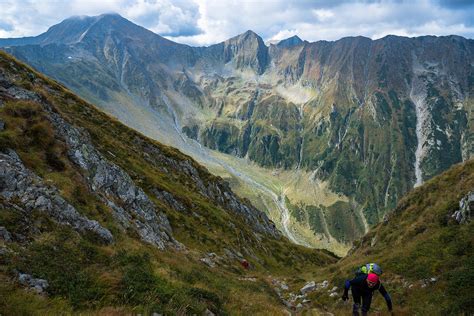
(420, 241)
(129, 275)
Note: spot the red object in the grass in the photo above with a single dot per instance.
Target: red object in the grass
(245, 264)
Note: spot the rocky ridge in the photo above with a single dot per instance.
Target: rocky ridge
(103, 177)
(117, 188)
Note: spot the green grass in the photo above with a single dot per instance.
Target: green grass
(422, 241)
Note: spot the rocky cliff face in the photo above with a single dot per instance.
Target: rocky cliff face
(370, 118)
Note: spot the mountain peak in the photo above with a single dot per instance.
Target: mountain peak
(111, 15)
(248, 35)
(290, 41)
(93, 17)
(248, 50)
(77, 28)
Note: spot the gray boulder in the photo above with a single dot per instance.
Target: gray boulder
(208, 261)
(5, 234)
(309, 287)
(38, 285)
(466, 206)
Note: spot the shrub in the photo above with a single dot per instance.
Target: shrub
(41, 134)
(460, 288)
(139, 285)
(66, 264)
(23, 109)
(54, 160)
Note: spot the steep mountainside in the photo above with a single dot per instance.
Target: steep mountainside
(360, 121)
(425, 247)
(96, 218)
(95, 215)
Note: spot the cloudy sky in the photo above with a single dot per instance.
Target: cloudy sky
(205, 22)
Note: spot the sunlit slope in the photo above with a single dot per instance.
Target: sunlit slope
(427, 254)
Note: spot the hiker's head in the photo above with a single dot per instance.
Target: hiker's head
(372, 279)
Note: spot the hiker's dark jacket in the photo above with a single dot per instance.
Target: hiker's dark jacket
(360, 288)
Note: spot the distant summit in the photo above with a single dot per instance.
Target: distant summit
(87, 28)
(290, 42)
(247, 50)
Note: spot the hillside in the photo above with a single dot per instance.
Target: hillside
(427, 254)
(98, 219)
(361, 121)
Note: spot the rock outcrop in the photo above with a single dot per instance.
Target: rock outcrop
(130, 204)
(466, 206)
(19, 183)
(37, 285)
(222, 193)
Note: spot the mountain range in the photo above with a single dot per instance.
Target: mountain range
(97, 218)
(325, 137)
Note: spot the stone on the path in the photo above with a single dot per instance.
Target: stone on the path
(310, 286)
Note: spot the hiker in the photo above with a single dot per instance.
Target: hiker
(363, 287)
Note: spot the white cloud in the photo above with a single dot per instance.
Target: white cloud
(205, 22)
(283, 34)
(165, 17)
(327, 20)
(323, 14)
